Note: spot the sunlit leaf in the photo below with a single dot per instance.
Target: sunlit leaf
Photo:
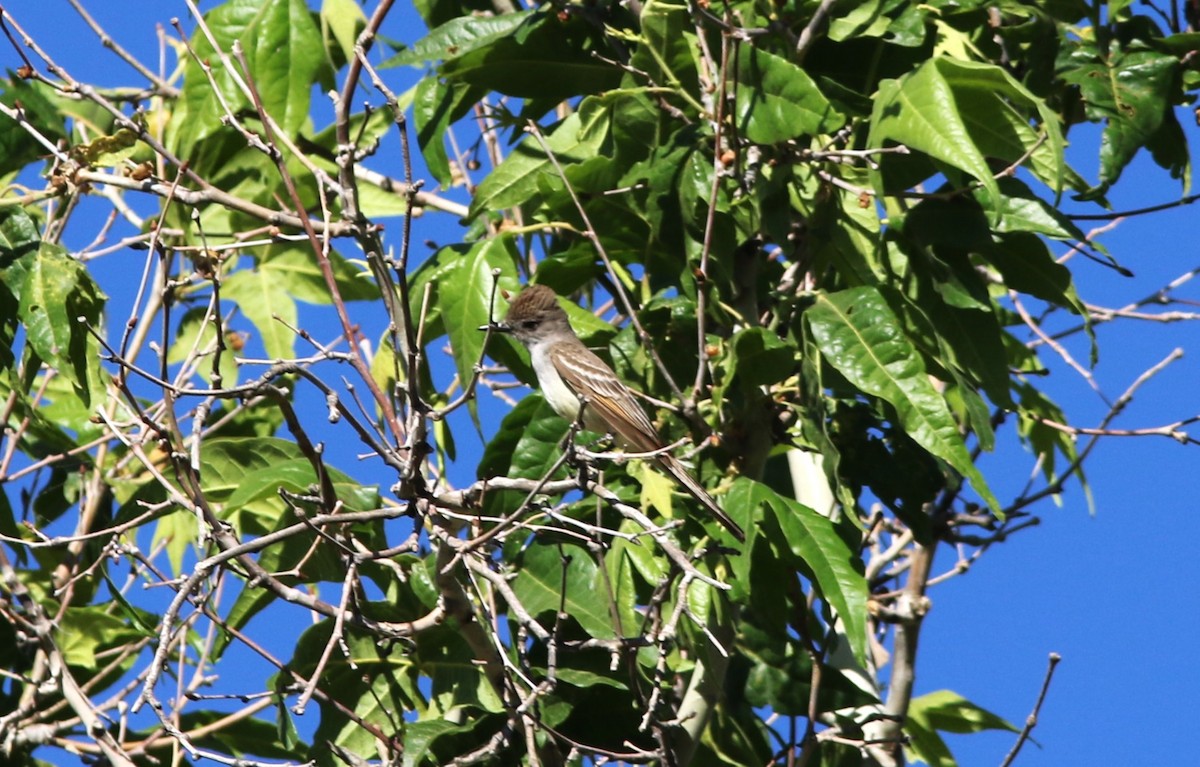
(862, 338)
(268, 305)
(467, 294)
(778, 101)
(280, 41)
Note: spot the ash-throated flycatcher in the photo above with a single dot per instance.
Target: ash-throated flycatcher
(572, 378)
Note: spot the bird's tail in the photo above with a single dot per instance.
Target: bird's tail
(676, 469)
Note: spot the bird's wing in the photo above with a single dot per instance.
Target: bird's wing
(608, 400)
(612, 404)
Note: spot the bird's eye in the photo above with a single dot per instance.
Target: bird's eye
(530, 324)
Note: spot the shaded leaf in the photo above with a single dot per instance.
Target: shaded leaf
(1027, 265)
(1130, 90)
(555, 46)
(526, 446)
(812, 539)
(759, 357)
(437, 104)
(17, 147)
(554, 577)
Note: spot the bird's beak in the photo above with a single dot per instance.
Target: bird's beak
(497, 327)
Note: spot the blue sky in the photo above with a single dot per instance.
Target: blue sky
(1107, 592)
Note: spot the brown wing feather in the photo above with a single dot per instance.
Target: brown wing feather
(610, 403)
(676, 469)
(611, 406)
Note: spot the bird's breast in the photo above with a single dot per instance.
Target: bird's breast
(555, 391)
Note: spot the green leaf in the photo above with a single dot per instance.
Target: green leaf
(296, 271)
(1131, 90)
(777, 101)
(465, 297)
(865, 19)
(197, 336)
(437, 104)
(42, 434)
(297, 476)
(225, 461)
(814, 542)
(950, 712)
(147, 622)
(85, 631)
(58, 304)
(666, 51)
(61, 407)
(239, 471)
(554, 577)
(582, 679)
(268, 305)
(953, 111)
(459, 37)
(342, 20)
(515, 180)
(179, 529)
(861, 337)
(945, 711)
(281, 42)
(421, 736)
(457, 681)
(1003, 131)
(656, 488)
(926, 745)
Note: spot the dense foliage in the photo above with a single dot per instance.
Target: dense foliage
(820, 235)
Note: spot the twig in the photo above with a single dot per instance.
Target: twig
(1032, 720)
(160, 85)
(808, 35)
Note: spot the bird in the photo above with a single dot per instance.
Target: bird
(574, 380)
